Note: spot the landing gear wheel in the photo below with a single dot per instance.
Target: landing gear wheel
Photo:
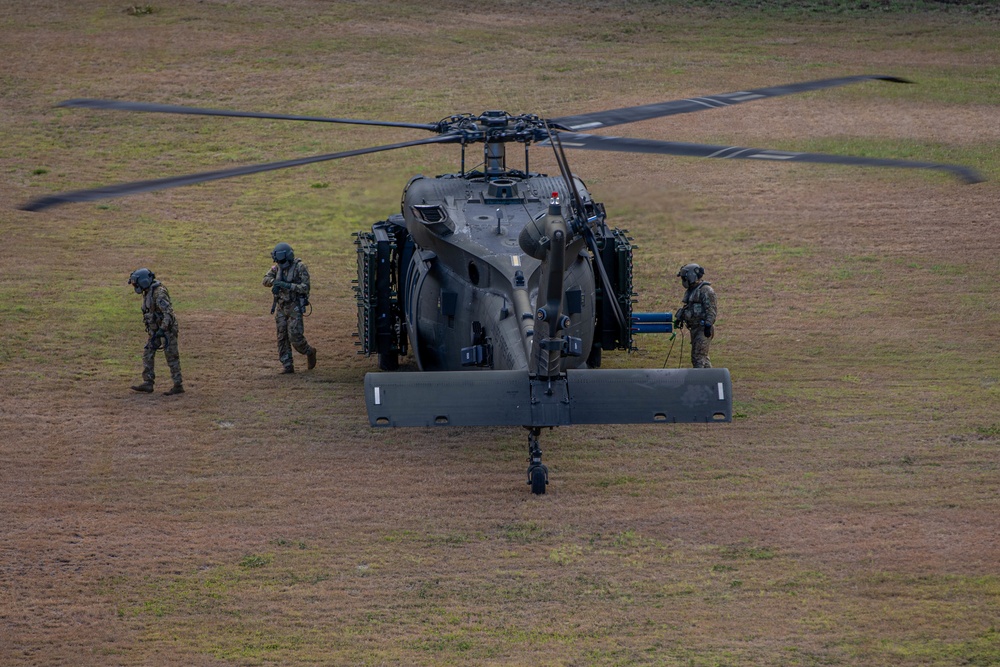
(538, 477)
(538, 474)
(388, 361)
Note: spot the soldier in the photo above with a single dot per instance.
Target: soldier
(289, 283)
(161, 325)
(698, 313)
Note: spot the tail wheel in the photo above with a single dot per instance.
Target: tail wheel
(538, 474)
(538, 477)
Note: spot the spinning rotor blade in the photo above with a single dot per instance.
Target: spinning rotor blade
(176, 181)
(592, 121)
(170, 108)
(629, 145)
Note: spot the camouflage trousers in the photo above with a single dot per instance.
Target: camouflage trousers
(291, 333)
(169, 347)
(699, 347)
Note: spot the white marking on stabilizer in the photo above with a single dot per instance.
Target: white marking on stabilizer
(378, 395)
(722, 393)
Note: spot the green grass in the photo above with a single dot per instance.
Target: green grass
(446, 617)
(852, 8)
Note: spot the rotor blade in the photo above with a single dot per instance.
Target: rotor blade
(629, 145)
(136, 187)
(170, 108)
(592, 121)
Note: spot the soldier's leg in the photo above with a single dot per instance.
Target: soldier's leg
(296, 331)
(699, 348)
(148, 352)
(284, 345)
(173, 357)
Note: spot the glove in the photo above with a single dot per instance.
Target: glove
(275, 289)
(708, 331)
(157, 338)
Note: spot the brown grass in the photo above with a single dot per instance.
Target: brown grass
(847, 517)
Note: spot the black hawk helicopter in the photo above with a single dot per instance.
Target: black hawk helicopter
(512, 272)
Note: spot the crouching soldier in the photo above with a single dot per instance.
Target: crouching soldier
(289, 283)
(161, 326)
(698, 313)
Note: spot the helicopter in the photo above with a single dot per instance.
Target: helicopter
(506, 285)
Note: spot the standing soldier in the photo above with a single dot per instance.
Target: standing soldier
(289, 283)
(698, 313)
(161, 325)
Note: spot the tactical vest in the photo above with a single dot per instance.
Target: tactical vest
(151, 315)
(292, 274)
(694, 305)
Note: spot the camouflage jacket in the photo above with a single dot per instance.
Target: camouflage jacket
(297, 274)
(699, 306)
(157, 312)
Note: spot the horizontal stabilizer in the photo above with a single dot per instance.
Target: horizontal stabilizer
(584, 396)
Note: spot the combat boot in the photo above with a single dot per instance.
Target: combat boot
(176, 389)
(288, 369)
(311, 359)
(144, 388)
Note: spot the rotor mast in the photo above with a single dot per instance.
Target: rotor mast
(494, 148)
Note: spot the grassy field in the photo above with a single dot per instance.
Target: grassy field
(848, 516)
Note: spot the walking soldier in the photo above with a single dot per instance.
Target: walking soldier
(161, 326)
(289, 283)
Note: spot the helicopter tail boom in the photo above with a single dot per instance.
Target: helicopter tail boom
(582, 396)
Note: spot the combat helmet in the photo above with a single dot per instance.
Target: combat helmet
(690, 274)
(283, 254)
(141, 279)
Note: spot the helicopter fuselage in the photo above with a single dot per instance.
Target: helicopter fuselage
(470, 290)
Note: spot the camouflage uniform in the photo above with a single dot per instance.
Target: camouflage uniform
(698, 312)
(158, 314)
(288, 311)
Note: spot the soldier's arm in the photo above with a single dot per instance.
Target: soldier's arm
(302, 286)
(269, 276)
(711, 307)
(165, 307)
